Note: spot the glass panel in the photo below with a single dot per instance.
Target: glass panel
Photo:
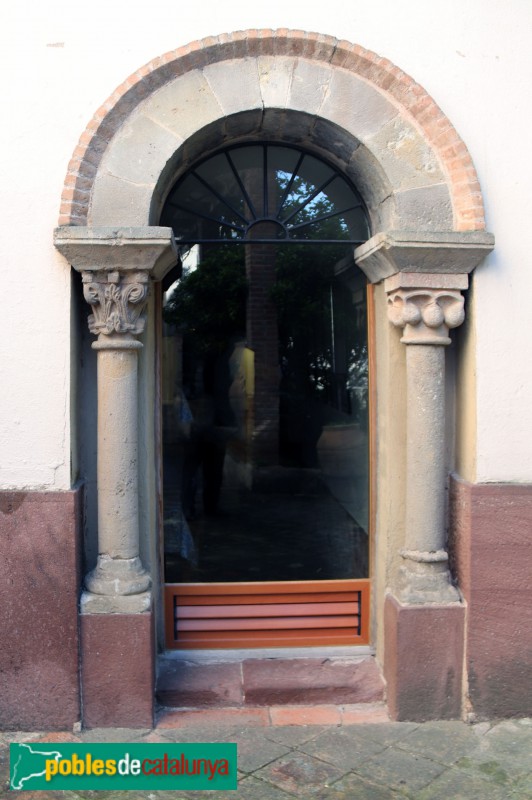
(249, 161)
(304, 514)
(254, 183)
(217, 173)
(282, 162)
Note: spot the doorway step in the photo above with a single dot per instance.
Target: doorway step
(331, 687)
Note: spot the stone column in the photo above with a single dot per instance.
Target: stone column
(118, 301)
(116, 623)
(116, 266)
(424, 274)
(425, 307)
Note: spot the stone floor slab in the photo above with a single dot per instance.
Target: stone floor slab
(300, 774)
(399, 770)
(353, 787)
(444, 742)
(255, 751)
(341, 750)
(454, 784)
(386, 733)
(294, 735)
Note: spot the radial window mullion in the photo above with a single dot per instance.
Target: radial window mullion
(290, 184)
(243, 189)
(324, 216)
(206, 216)
(309, 199)
(218, 196)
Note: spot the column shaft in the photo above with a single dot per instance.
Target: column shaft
(425, 512)
(118, 526)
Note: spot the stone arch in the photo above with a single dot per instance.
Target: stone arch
(328, 90)
(428, 233)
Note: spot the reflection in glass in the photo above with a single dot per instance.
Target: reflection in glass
(227, 517)
(228, 193)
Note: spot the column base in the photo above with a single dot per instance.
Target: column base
(424, 578)
(118, 576)
(423, 654)
(117, 667)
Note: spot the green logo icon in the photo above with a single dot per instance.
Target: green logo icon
(88, 766)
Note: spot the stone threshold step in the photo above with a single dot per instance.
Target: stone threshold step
(269, 682)
(321, 714)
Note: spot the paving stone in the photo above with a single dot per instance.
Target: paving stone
(255, 751)
(255, 789)
(209, 718)
(522, 788)
(445, 742)
(292, 735)
(456, 785)
(386, 733)
(504, 751)
(344, 751)
(353, 787)
(400, 770)
(300, 774)
(364, 713)
(112, 734)
(8, 737)
(305, 715)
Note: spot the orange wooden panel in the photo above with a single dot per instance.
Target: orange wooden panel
(232, 595)
(296, 638)
(306, 597)
(281, 634)
(270, 610)
(268, 623)
(267, 587)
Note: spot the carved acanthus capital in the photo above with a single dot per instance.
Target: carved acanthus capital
(426, 314)
(118, 301)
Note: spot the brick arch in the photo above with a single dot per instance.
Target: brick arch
(396, 124)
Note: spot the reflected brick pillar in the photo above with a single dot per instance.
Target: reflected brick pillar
(263, 339)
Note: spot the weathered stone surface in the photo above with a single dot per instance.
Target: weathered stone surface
(117, 670)
(39, 587)
(271, 682)
(309, 86)
(422, 251)
(185, 105)
(491, 555)
(184, 684)
(224, 77)
(152, 145)
(275, 75)
(357, 106)
(430, 206)
(423, 660)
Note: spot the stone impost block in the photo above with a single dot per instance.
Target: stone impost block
(97, 249)
(440, 252)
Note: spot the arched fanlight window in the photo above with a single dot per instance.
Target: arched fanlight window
(228, 194)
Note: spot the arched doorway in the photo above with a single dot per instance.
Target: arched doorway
(265, 404)
(383, 132)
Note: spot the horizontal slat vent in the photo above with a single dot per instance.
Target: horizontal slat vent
(269, 614)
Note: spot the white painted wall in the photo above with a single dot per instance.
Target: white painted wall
(60, 60)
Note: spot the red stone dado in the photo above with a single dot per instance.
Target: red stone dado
(491, 555)
(117, 670)
(423, 660)
(39, 590)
